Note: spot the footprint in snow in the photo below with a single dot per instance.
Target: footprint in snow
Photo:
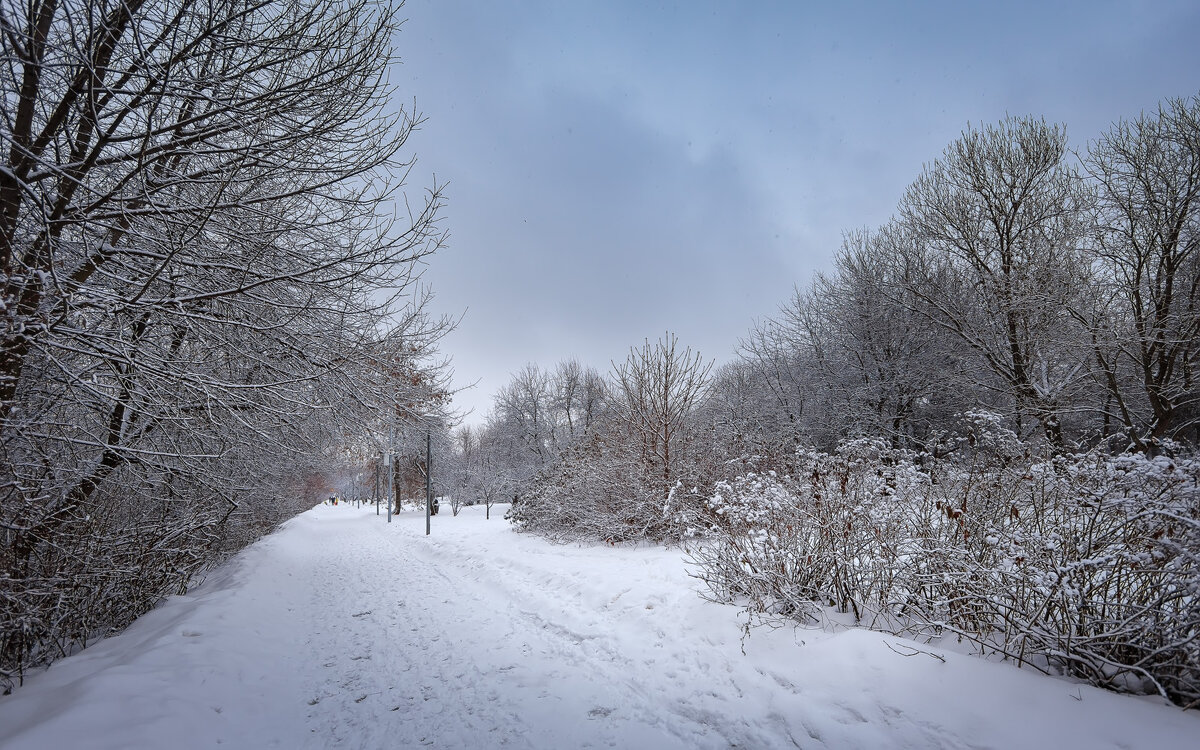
(600, 712)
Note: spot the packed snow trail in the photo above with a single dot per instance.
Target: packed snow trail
(343, 631)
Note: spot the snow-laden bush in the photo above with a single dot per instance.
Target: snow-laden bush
(109, 566)
(600, 490)
(825, 536)
(1088, 564)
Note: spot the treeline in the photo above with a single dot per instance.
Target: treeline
(1059, 292)
(203, 290)
(980, 422)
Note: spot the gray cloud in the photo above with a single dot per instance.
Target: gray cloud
(618, 169)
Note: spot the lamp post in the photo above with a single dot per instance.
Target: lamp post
(387, 466)
(428, 479)
(388, 461)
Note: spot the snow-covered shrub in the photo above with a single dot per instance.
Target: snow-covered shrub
(600, 489)
(117, 561)
(1087, 564)
(593, 491)
(758, 552)
(827, 536)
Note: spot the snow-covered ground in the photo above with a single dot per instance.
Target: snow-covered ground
(340, 630)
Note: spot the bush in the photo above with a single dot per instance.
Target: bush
(599, 490)
(1087, 565)
(110, 565)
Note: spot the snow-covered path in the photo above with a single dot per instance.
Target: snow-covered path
(343, 631)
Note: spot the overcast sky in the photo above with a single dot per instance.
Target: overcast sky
(619, 169)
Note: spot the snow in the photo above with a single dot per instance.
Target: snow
(341, 630)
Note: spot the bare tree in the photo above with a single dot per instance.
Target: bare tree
(579, 400)
(888, 372)
(659, 388)
(524, 405)
(1148, 252)
(734, 412)
(782, 353)
(998, 222)
(492, 479)
(199, 273)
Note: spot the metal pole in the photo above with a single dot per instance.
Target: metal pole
(392, 462)
(428, 480)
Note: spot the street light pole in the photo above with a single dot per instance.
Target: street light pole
(388, 462)
(428, 480)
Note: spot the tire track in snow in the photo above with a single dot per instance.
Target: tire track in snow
(582, 628)
(544, 669)
(432, 659)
